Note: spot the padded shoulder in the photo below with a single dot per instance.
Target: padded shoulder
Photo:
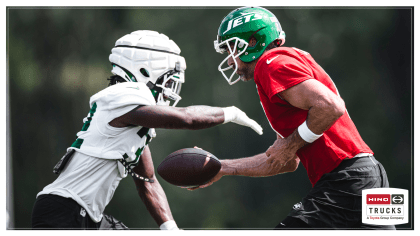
(124, 94)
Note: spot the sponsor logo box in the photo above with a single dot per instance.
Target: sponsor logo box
(385, 206)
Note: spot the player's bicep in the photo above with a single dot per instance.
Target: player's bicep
(153, 117)
(307, 94)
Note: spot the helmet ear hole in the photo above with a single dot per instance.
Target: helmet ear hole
(144, 72)
(252, 42)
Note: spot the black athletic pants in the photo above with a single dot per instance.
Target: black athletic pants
(55, 212)
(335, 201)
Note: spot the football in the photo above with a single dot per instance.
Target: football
(189, 167)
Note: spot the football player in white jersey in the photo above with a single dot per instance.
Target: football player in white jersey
(148, 72)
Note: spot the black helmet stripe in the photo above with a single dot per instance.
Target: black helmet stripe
(157, 50)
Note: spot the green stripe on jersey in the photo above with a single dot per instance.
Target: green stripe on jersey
(89, 117)
(77, 143)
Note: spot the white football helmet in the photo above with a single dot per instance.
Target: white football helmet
(148, 57)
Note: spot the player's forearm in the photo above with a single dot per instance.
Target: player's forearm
(202, 117)
(324, 114)
(319, 119)
(255, 166)
(155, 200)
(293, 142)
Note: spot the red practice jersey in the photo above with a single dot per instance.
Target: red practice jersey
(282, 68)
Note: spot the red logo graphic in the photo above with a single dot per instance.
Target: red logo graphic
(380, 199)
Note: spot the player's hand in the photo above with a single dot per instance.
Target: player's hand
(280, 154)
(291, 165)
(215, 179)
(235, 115)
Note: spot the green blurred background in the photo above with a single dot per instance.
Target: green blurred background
(58, 58)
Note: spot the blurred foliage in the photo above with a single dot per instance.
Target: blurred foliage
(58, 58)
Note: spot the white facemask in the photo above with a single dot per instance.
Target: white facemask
(239, 44)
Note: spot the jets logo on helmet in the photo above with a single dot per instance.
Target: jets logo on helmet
(238, 27)
(148, 57)
(244, 18)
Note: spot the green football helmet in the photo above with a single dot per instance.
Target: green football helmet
(236, 30)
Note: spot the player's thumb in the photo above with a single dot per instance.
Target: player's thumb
(201, 186)
(255, 126)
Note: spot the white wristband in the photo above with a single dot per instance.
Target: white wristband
(306, 134)
(229, 114)
(169, 225)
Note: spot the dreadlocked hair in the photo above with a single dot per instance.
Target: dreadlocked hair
(115, 79)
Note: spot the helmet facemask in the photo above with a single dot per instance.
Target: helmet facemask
(240, 46)
(168, 86)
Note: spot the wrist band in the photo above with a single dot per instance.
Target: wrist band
(306, 134)
(229, 114)
(169, 225)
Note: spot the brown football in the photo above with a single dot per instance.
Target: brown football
(189, 167)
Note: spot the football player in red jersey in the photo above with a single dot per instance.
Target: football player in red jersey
(304, 108)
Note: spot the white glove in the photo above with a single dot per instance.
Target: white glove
(235, 115)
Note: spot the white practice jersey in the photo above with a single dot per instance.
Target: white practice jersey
(94, 172)
(99, 139)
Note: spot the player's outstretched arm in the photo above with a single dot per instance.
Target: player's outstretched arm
(152, 194)
(192, 117)
(255, 166)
